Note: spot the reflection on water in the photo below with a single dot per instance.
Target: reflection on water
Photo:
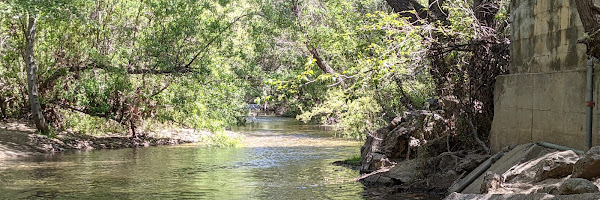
(281, 159)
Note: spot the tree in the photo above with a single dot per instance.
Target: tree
(30, 65)
(589, 13)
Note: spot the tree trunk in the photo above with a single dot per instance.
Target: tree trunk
(3, 108)
(31, 67)
(324, 66)
(590, 18)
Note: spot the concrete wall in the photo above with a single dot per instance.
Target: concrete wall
(543, 99)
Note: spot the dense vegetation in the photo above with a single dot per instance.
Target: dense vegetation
(124, 66)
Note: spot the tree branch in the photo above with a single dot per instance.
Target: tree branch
(71, 108)
(213, 39)
(161, 90)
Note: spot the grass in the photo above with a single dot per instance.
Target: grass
(222, 139)
(354, 160)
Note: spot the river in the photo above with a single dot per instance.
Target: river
(280, 159)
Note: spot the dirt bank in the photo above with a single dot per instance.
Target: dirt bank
(18, 139)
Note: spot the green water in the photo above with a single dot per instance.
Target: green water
(280, 159)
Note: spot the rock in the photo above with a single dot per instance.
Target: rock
(395, 145)
(491, 182)
(459, 196)
(404, 172)
(551, 165)
(588, 166)
(401, 139)
(577, 186)
(556, 165)
(381, 161)
(372, 146)
(379, 179)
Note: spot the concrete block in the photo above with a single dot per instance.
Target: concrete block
(566, 61)
(545, 124)
(574, 93)
(543, 64)
(524, 92)
(513, 114)
(543, 100)
(510, 126)
(526, 27)
(595, 130)
(516, 57)
(514, 91)
(575, 16)
(541, 46)
(503, 92)
(565, 18)
(561, 49)
(575, 128)
(540, 8)
(557, 132)
(580, 48)
(541, 24)
(596, 86)
(548, 93)
(526, 56)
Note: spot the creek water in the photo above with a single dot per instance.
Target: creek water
(280, 159)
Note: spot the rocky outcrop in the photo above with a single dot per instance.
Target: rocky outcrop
(400, 139)
(588, 166)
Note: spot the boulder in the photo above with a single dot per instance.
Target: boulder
(379, 179)
(557, 165)
(552, 165)
(369, 150)
(577, 186)
(403, 172)
(588, 166)
(395, 145)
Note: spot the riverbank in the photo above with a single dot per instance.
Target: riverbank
(18, 139)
